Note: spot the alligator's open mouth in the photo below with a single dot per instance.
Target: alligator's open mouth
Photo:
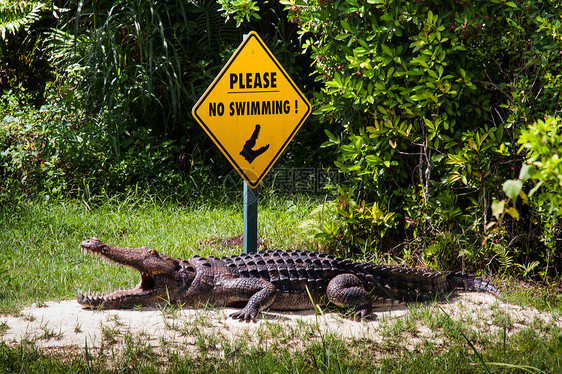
(151, 265)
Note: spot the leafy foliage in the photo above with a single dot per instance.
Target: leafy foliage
(50, 152)
(543, 169)
(17, 14)
(240, 10)
(431, 97)
(22, 64)
(134, 58)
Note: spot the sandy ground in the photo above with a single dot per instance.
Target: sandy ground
(66, 324)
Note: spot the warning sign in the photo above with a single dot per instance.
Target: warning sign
(252, 109)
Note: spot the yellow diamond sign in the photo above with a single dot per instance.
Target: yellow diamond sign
(252, 109)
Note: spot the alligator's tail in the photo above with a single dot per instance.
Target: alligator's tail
(403, 284)
(461, 281)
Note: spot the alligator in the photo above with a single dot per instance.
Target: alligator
(278, 280)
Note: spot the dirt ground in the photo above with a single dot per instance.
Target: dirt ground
(66, 324)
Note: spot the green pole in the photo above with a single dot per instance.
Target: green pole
(250, 219)
(250, 215)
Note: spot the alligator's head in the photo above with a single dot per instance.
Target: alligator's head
(161, 276)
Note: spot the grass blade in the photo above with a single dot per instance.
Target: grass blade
(471, 345)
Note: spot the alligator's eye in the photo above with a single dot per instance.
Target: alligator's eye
(153, 252)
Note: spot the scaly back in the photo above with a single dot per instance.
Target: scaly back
(295, 271)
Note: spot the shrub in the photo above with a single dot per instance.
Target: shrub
(542, 205)
(58, 150)
(425, 100)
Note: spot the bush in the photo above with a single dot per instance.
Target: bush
(425, 101)
(58, 150)
(542, 205)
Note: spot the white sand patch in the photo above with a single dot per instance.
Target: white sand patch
(67, 324)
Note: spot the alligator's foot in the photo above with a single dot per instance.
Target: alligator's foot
(245, 314)
(260, 292)
(363, 313)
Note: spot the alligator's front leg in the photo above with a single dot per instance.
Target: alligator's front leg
(259, 293)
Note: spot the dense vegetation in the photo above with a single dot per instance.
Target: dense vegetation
(441, 104)
(443, 116)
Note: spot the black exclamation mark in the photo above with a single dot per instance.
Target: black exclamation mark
(296, 106)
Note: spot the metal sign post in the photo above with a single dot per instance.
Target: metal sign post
(250, 219)
(250, 214)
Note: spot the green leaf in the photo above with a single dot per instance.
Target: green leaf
(512, 188)
(511, 4)
(498, 208)
(345, 25)
(389, 72)
(387, 50)
(331, 136)
(387, 17)
(535, 189)
(512, 212)
(527, 171)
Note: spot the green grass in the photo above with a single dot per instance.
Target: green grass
(40, 257)
(324, 354)
(40, 260)
(542, 298)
